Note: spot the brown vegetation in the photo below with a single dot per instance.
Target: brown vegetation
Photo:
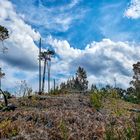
(68, 117)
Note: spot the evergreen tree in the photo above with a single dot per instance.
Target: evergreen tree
(81, 79)
(93, 88)
(78, 83)
(63, 85)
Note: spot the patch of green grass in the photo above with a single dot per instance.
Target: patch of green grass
(109, 133)
(55, 92)
(128, 133)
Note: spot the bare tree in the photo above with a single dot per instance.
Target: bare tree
(50, 54)
(40, 67)
(46, 57)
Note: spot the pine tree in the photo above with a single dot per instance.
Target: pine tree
(93, 88)
(81, 79)
(79, 82)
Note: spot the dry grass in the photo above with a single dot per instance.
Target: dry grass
(67, 117)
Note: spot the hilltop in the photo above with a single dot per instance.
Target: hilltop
(69, 117)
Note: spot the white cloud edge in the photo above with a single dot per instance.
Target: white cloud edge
(133, 10)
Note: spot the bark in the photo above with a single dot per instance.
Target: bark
(5, 98)
(44, 73)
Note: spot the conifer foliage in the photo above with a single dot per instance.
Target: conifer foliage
(4, 34)
(81, 79)
(79, 82)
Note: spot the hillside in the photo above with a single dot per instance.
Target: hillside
(69, 117)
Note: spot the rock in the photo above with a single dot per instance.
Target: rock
(49, 124)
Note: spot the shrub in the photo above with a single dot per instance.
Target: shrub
(138, 128)
(96, 100)
(63, 129)
(55, 92)
(132, 99)
(8, 129)
(128, 133)
(114, 94)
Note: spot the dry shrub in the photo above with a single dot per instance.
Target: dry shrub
(8, 129)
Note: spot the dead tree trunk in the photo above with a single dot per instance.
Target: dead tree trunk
(5, 98)
(48, 78)
(44, 73)
(40, 67)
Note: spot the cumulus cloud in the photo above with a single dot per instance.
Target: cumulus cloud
(63, 48)
(133, 10)
(22, 51)
(103, 60)
(108, 59)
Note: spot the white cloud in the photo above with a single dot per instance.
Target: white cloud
(22, 48)
(109, 59)
(103, 60)
(133, 10)
(63, 48)
(22, 51)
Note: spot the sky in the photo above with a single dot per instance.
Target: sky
(102, 36)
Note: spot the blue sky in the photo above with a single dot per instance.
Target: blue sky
(84, 22)
(101, 36)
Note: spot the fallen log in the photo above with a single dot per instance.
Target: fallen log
(134, 110)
